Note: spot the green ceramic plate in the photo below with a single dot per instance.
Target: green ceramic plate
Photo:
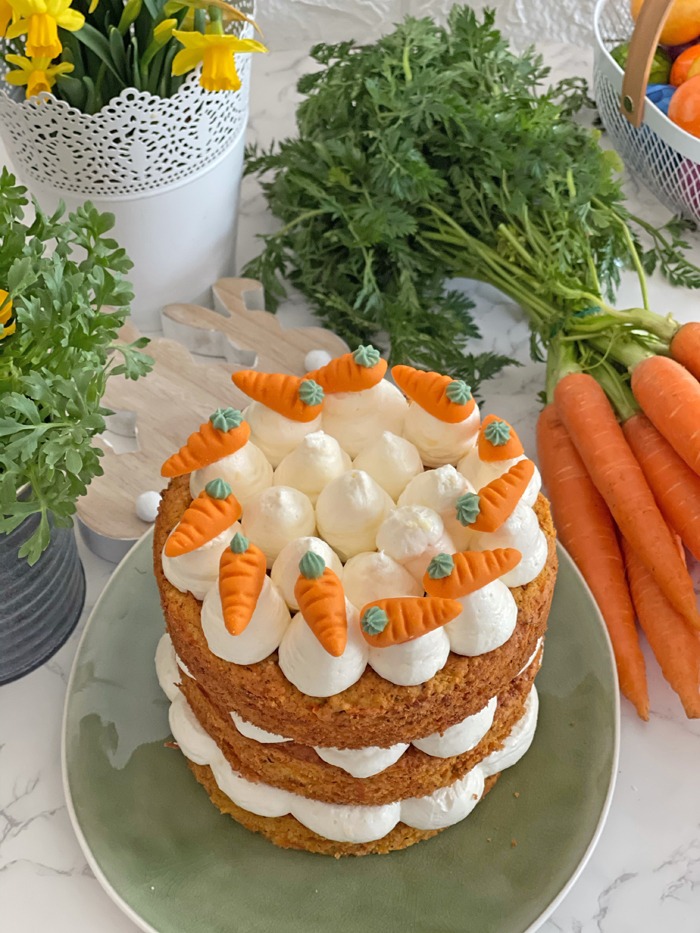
(175, 865)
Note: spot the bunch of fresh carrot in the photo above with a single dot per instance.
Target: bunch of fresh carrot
(619, 450)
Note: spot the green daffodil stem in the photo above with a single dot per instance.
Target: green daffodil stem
(216, 20)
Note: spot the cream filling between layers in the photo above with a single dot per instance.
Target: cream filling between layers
(343, 822)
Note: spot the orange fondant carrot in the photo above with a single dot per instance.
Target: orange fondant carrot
(214, 510)
(242, 571)
(351, 372)
(222, 435)
(299, 399)
(498, 440)
(321, 599)
(398, 619)
(494, 503)
(453, 575)
(443, 397)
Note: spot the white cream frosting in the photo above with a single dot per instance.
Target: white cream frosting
(350, 510)
(439, 490)
(482, 472)
(356, 418)
(198, 570)
(462, 737)
(372, 575)
(391, 461)
(285, 570)
(259, 638)
(247, 471)
(486, 622)
(166, 667)
(307, 664)
(362, 762)
(255, 732)
(520, 530)
(438, 441)
(313, 464)
(274, 434)
(413, 535)
(414, 662)
(276, 516)
(342, 822)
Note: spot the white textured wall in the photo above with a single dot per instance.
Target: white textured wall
(298, 23)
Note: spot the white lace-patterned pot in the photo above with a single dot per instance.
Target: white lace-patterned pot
(168, 169)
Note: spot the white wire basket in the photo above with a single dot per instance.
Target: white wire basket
(664, 156)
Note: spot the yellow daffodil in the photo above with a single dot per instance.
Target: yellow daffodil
(5, 16)
(216, 53)
(5, 315)
(40, 20)
(38, 74)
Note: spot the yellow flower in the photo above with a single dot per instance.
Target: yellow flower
(216, 53)
(5, 17)
(40, 20)
(38, 74)
(6, 314)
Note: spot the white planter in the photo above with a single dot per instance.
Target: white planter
(168, 169)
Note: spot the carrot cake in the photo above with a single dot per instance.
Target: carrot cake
(355, 575)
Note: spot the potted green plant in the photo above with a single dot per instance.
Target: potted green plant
(62, 300)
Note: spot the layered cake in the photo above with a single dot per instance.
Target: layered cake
(355, 575)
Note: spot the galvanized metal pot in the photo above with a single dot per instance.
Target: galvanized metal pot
(40, 605)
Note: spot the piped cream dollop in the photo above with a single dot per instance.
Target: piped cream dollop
(437, 441)
(391, 461)
(482, 472)
(413, 535)
(374, 575)
(486, 622)
(439, 490)
(247, 471)
(349, 512)
(276, 516)
(258, 639)
(285, 570)
(274, 434)
(520, 530)
(413, 662)
(355, 419)
(198, 570)
(307, 664)
(309, 468)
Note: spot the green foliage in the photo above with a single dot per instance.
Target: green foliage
(438, 153)
(64, 276)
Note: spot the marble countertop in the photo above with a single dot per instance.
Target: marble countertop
(644, 876)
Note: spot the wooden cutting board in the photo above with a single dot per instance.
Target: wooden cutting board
(155, 414)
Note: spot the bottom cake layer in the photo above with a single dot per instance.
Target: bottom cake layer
(288, 833)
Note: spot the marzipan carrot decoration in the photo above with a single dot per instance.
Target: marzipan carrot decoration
(586, 529)
(299, 399)
(455, 575)
(593, 428)
(214, 510)
(321, 599)
(242, 572)
(685, 347)
(670, 398)
(222, 435)
(675, 647)
(675, 486)
(351, 372)
(395, 620)
(443, 397)
(488, 509)
(497, 440)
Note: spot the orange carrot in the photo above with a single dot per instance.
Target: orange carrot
(675, 647)
(685, 347)
(321, 599)
(670, 398)
(588, 417)
(586, 529)
(214, 510)
(242, 572)
(498, 440)
(453, 575)
(296, 398)
(676, 488)
(488, 509)
(351, 372)
(443, 397)
(398, 619)
(222, 435)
